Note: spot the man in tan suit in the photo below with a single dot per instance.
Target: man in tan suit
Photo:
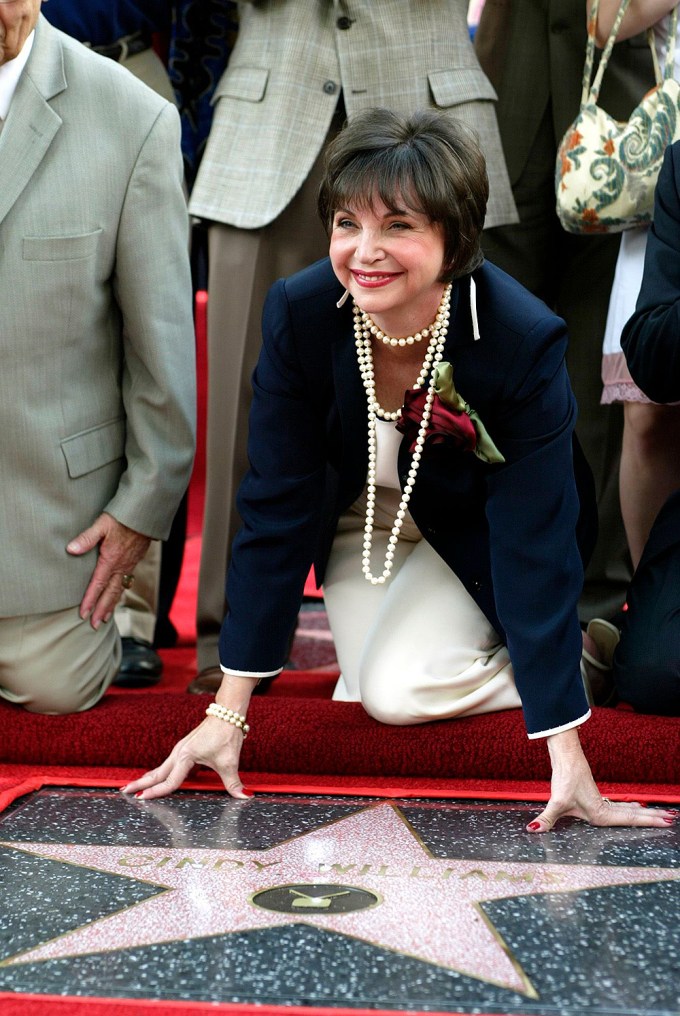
(297, 70)
(97, 400)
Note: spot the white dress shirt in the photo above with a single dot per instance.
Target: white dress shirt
(10, 73)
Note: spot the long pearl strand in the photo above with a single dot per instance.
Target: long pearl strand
(433, 356)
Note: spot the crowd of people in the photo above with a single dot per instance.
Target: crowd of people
(404, 352)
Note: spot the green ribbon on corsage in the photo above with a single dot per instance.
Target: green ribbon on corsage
(446, 390)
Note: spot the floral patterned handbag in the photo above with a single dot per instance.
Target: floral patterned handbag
(606, 170)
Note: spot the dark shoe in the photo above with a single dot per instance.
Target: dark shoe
(140, 666)
(209, 680)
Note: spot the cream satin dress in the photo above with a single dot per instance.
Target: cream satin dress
(418, 647)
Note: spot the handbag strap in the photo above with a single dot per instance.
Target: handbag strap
(590, 94)
(670, 47)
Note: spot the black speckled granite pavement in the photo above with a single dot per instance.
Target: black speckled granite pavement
(294, 900)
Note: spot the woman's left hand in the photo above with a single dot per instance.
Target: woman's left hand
(573, 792)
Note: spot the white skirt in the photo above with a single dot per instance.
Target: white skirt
(418, 647)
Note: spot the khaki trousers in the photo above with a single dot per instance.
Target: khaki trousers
(56, 663)
(135, 613)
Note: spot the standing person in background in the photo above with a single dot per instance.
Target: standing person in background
(296, 72)
(533, 52)
(201, 37)
(647, 659)
(650, 459)
(97, 407)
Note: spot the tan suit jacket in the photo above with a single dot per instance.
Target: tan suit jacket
(96, 334)
(292, 58)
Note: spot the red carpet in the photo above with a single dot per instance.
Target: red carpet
(317, 737)
(297, 729)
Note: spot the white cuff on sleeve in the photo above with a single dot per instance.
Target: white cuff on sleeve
(558, 730)
(250, 673)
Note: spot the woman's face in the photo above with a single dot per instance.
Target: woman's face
(391, 262)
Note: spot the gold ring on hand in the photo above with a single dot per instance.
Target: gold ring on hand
(128, 581)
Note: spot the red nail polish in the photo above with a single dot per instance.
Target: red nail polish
(669, 821)
(534, 825)
(248, 793)
(139, 793)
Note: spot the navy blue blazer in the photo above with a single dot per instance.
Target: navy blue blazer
(508, 531)
(651, 339)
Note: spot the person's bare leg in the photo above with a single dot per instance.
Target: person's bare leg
(650, 468)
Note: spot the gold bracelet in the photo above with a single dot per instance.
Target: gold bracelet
(228, 716)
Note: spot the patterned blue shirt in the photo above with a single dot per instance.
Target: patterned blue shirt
(103, 22)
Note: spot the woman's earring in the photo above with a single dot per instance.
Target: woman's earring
(343, 299)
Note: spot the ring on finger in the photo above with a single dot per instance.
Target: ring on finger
(127, 581)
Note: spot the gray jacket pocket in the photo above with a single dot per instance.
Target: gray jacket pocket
(93, 448)
(60, 248)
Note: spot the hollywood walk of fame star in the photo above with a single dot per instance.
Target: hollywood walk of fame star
(427, 908)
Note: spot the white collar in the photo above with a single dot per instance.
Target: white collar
(10, 73)
(473, 309)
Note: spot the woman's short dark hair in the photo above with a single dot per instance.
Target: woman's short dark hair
(428, 160)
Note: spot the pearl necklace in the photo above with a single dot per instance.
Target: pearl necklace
(409, 340)
(364, 329)
(433, 356)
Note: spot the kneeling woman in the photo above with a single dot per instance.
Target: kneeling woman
(411, 435)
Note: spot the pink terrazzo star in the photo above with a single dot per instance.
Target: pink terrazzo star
(427, 908)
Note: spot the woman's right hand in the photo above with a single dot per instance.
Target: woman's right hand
(213, 743)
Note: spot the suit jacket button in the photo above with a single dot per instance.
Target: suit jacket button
(344, 23)
(330, 87)
(477, 586)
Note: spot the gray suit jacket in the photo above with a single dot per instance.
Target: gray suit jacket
(275, 101)
(96, 334)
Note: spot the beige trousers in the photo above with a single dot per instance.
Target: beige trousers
(135, 612)
(56, 663)
(418, 647)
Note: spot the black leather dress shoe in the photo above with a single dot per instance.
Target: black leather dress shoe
(140, 665)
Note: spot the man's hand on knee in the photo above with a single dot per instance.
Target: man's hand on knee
(120, 549)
